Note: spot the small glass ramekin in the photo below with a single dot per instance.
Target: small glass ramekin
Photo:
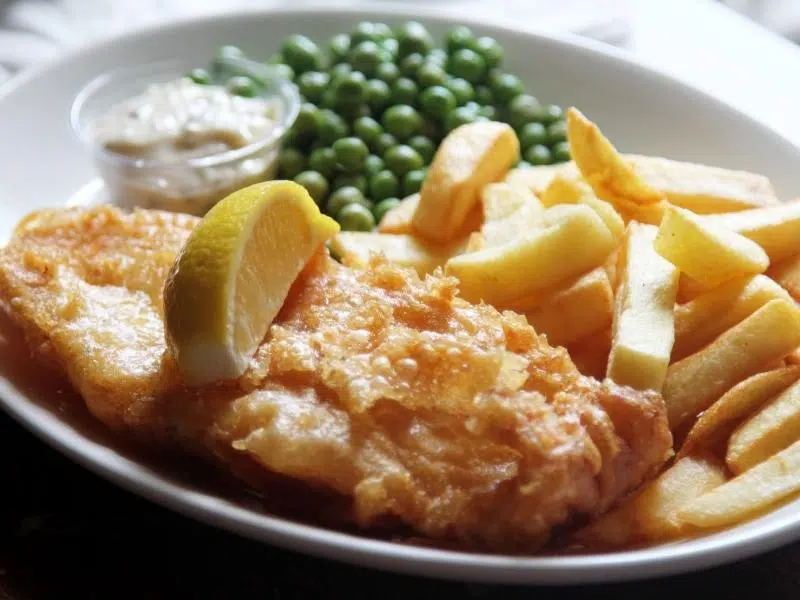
(189, 185)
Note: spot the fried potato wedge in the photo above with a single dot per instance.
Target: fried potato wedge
(787, 274)
(707, 253)
(699, 321)
(610, 175)
(564, 190)
(355, 247)
(739, 402)
(470, 157)
(653, 514)
(536, 179)
(775, 228)
(508, 211)
(643, 325)
(767, 432)
(576, 311)
(398, 219)
(572, 240)
(748, 494)
(590, 354)
(696, 382)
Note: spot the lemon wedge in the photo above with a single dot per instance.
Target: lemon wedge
(234, 273)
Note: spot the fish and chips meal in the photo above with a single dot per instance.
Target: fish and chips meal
(598, 354)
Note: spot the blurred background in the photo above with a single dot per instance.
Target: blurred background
(31, 31)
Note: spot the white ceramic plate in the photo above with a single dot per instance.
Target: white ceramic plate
(642, 111)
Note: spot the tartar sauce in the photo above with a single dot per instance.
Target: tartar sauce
(179, 120)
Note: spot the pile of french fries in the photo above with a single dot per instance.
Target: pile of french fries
(657, 274)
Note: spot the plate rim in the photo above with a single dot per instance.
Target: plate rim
(138, 478)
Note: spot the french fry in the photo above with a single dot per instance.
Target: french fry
(572, 240)
(536, 179)
(398, 219)
(775, 228)
(748, 494)
(794, 357)
(653, 514)
(643, 329)
(689, 289)
(402, 249)
(708, 253)
(699, 321)
(651, 214)
(736, 404)
(590, 354)
(564, 190)
(767, 432)
(468, 158)
(694, 383)
(787, 274)
(475, 242)
(610, 265)
(576, 311)
(508, 211)
(610, 175)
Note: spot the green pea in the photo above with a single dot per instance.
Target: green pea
(293, 140)
(467, 64)
(323, 161)
(460, 116)
(364, 32)
(401, 159)
(391, 46)
(412, 182)
(437, 101)
(382, 31)
(200, 76)
(549, 113)
(352, 112)
(306, 121)
(506, 87)
(316, 185)
(351, 152)
(330, 126)
(384, 184)
(473, 106)
(523, 164)
(538, 155)
(356, 180)
(355, 217)
(560, 152)
(461, 89)
(367, 128)
(483, 95)
(328, 99)
(490, 50)
(429, 129)
(283, 72)
(373, 164)
(384, 206)
(301, 53)
(411, 64)
(458, 37)
(404, 91)
(291, 162)
(242, 86)
(343, 196)
(379, 95)
(312, 85)
(430, 74)
(365, 57)
(383, 142)
(338, 47)
(413, 37)
(489, 111)
(557, 132)
(228, 51)
(437, 56)
(532, 134)
(388, 72)
(350, 88)
(424, 146)
(522, 110)
(401, 120)
(339, 70)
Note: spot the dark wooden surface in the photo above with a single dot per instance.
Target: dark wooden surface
(66, 533)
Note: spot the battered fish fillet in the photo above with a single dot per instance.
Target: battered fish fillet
(449, 417)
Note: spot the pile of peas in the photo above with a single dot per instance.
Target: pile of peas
(377, 104)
